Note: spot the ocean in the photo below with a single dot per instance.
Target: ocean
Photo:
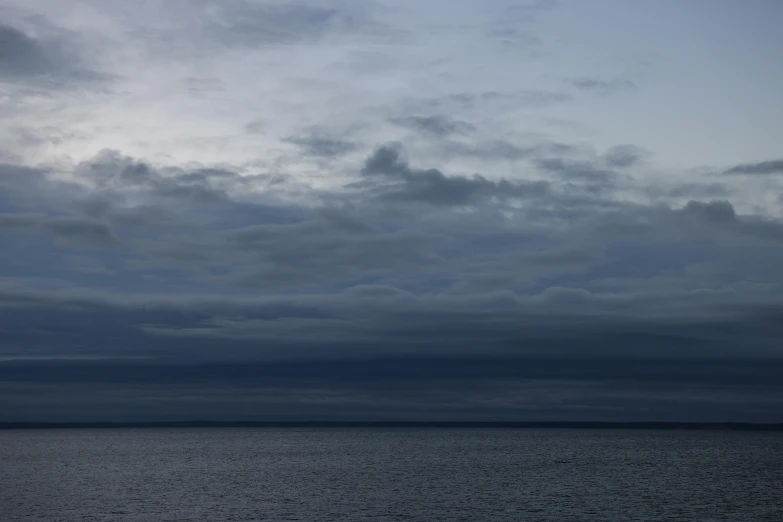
(375, 474)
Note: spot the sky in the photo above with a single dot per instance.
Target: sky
(391, 210)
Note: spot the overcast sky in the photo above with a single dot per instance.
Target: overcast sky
(391, 209)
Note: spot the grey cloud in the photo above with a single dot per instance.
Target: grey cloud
(253, 280)
(246, 23)
(47, 135)
(623, 156)
(573, 255)
(699, 190)
(579, 171)
(485, 100)
(113, 171)
(722, 213)
(415, 284)
(557, 323)
(255, 127)
(87, 265)
(715, 221)
(714, 211)
(760, 169)
(437, 125)
(49, 61)
(513, 37)
(534, 98)
(21, 55)
(489, 150)
(11, 223)
(432, 186)
(317, 247)
(83, 232)
(603, 86)
(320, 144)
(70, 231)
(203, 86)
(111, 210)
(327, 249)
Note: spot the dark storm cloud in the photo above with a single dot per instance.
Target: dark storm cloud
(46, 60)
(437, 125)
(759, 169)
(434, 187)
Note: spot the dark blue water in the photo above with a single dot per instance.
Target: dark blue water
(395, 474)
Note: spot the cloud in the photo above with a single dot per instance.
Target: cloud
(490, 150)
(539, 289)
(69, 231)
(319, 144)
(720, 212)
(21, 55)
(623, 156)
(434, 187)
(699, 191)
(255, 127)
(252, 24)
(577, 170)
(487, 102)
(436, 125)
(604, 87)
(45, 61)
(762, 168)
(327, 249)
(556, 324)
(232, 229)
(111, 171)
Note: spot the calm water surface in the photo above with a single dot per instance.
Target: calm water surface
(395, 474)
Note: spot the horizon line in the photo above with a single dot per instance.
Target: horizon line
(687, 425)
